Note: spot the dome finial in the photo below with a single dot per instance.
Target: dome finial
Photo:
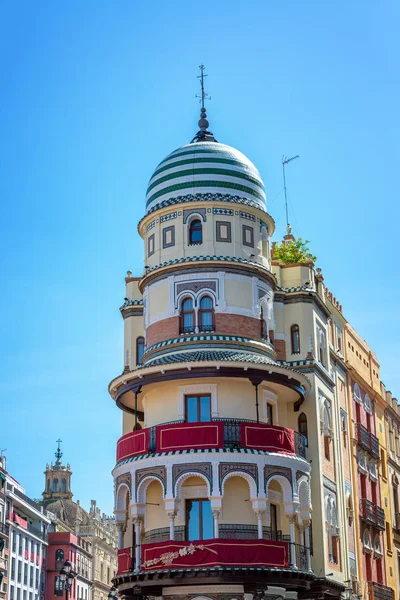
(203, 134)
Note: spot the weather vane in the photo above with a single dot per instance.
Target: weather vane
(203, 96)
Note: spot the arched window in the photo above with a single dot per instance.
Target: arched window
(263, 328)
(357, 393)
(187, 316)
(139, 350)
(295, 339)
(55, 485)
(64, 485)
(206, 314)
(367, 404)
(195, 232)
(59, 556)
(48, 485)
(303, 425)
(377, 546)
(367, 541)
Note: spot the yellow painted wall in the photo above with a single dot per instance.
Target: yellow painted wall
(161, 401)
(237, 293)
(236, 505)
(158, 299)
(155, 511)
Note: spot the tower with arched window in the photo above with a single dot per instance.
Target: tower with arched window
(211, 476)
(57, 479)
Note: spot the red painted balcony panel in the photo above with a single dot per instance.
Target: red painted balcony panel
(132, 444)
(124, 561)
(213, 553)
(183, 436)
(267, 437)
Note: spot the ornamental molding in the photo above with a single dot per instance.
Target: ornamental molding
(183, 471)
(227, 470)
(150, 474)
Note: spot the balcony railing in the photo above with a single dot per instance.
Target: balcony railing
(372, 514)
(367, 440)
(4, 529)
(378, 591)
(218, 433)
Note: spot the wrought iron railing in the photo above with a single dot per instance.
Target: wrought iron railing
(378, 591)
(301, 557)
(367, 440)
(373, 514)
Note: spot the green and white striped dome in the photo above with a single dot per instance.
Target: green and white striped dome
(206, 167)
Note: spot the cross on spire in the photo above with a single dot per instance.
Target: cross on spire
(58, 453)
(204, 96)
(203, 134)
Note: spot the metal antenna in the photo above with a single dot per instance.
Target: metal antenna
(285, 161)
(203, 96)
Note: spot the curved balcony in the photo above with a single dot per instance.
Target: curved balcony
(211, 553)
(224, 433)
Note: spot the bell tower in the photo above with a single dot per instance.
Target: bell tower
(57, 479)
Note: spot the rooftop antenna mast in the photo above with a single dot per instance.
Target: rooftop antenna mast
(286, 161)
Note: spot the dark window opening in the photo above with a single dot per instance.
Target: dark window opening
(195, 232)
(295, 339)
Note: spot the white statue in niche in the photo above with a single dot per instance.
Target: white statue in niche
(267, 311)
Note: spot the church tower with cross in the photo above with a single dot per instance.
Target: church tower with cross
(57, 479)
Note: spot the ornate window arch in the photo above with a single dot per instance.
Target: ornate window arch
(248, 478)
(285, 485)
(184, 476)
(144, 484)
(55, 485)
(64, 485)
(295, 338)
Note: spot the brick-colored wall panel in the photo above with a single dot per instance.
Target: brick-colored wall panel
(162, 330)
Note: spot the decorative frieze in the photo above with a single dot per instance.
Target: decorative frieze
(168, 217)
(225, 468)
(194, 468)
(157, 472)
(269, 471)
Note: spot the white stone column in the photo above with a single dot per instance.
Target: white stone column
(259, 524)
(171, 516)
(292, 519)
(216, 514)
(121, 530)
(307, 543)
(137, 523)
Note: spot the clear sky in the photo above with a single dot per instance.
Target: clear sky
(93, 95)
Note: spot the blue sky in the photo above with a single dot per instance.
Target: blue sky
(94, 95)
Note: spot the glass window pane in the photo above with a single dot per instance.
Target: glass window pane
(191, 409)
(207, 520)
(206, 319)
(206, 302)
(205, 413)
(187, 304)
(188, 320)
(193, 519)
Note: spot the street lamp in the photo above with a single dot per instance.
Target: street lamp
(113, 593)
(67, 577)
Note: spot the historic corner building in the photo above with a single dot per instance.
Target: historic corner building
(235, 473)
(86, 538)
